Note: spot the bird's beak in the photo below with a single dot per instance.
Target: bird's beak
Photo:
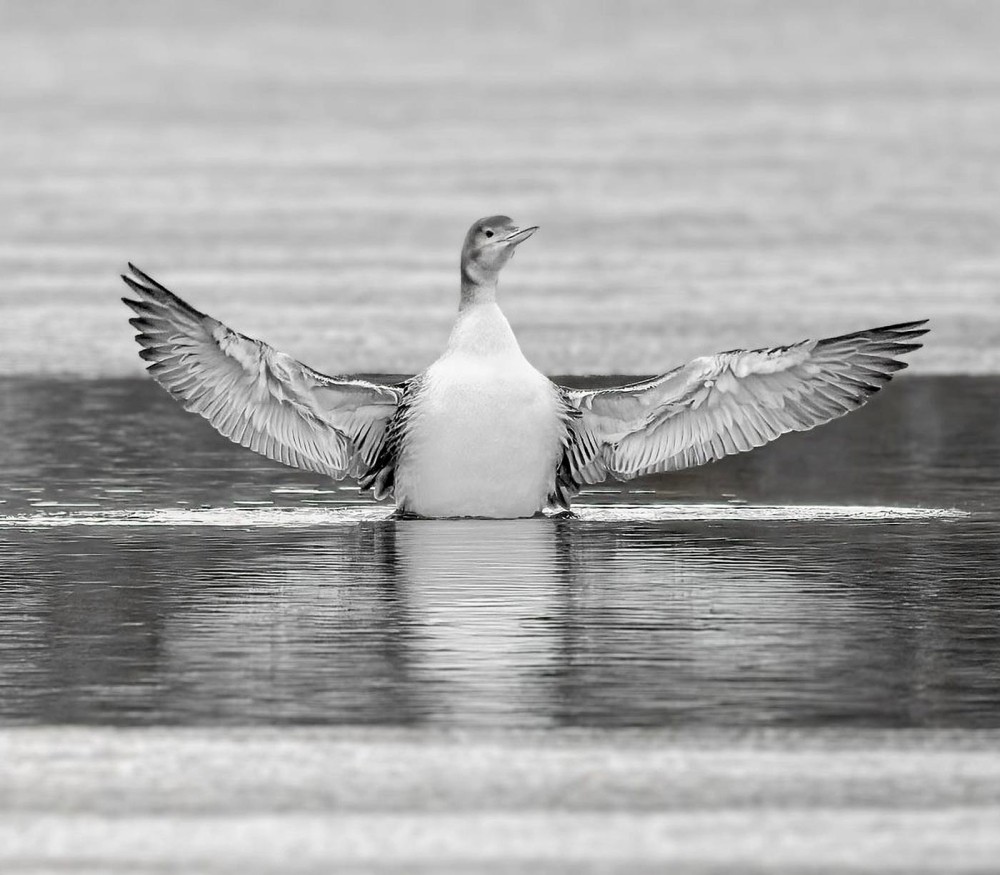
(520, 235)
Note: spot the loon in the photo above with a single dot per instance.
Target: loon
(481, 432)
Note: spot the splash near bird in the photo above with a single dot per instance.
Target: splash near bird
(482, 433)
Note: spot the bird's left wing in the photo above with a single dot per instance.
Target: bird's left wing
(254, 395)
(727, 403)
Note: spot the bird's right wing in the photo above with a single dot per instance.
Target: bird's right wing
(726, 403)
(253, 394)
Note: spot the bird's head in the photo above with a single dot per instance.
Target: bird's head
(488, 246)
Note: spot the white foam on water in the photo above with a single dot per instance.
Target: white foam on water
(232, 517)
(759, 512)
(303, 517)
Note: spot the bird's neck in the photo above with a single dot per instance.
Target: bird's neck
(482, 330)
(478, 287)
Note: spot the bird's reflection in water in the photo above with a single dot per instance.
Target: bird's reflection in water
(485, 603)
(533, 622)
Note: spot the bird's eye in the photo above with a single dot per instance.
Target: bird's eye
(489, 233)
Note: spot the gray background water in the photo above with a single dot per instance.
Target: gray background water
(706, 175)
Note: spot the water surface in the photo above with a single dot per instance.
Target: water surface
(151, 572)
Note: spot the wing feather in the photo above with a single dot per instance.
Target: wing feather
(254, 395)
(730, 403)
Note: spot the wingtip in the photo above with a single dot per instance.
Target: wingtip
(910, 329)
(146, 278)
(136, 306)
(141, 290)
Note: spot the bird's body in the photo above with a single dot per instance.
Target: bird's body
(481, 432)
(486, 430)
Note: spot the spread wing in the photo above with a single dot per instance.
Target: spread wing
(256, 396)
(728, 403)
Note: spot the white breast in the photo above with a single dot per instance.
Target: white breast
(484, 436)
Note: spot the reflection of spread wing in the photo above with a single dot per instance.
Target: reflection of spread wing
(254, 395)
(728, 403)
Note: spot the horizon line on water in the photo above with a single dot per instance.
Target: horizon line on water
(293, 517)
